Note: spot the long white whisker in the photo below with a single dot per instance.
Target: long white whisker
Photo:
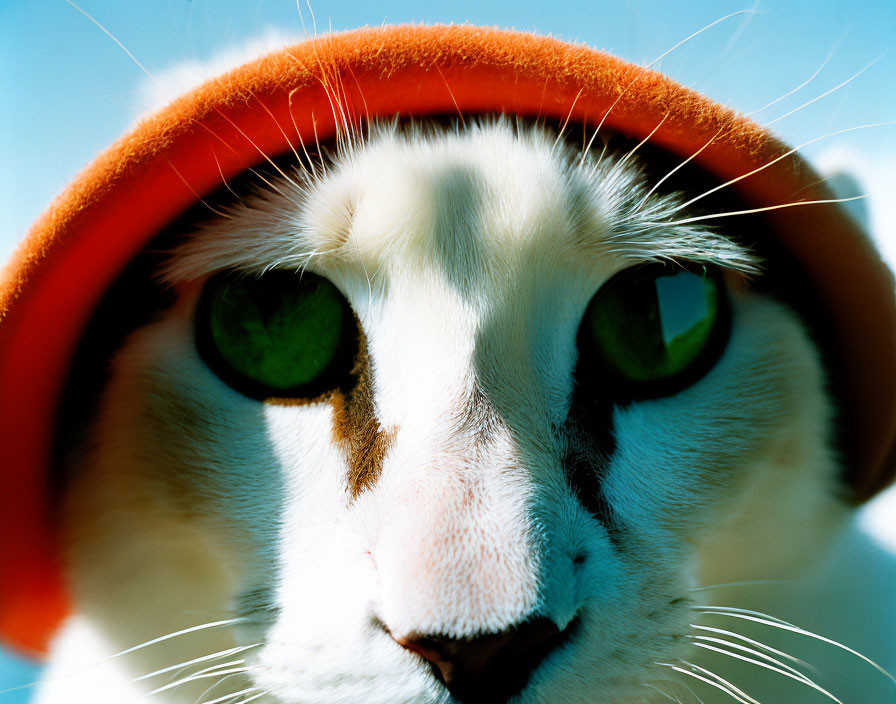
(783, 625)
(659, 183)
(698, 33)
(745, 583)
(731, 43)
(282, 131)
(799, 677)
(252, 698)
(263, 154)
(203, 675)
(749, 114)
(722, 680)
(752, 651)
(299, 134)
(193, 190)
(194, 661)
(777, 159)
(756, 643)
(693, 693)
(642, 142)
(115, 39)
(751, 211)
(231, 696)
(562, 129)
(169, 636)
(706, 680)
(214, 686)
(800, 86)
(825, 94)
(739, 610)
(652, 63)
(665, 694)
(140, 646)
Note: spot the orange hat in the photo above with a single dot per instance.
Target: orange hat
(145, 180)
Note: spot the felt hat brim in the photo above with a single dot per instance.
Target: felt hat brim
(146, 179)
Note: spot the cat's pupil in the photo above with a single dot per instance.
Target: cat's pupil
(279, 334)
(654, 330)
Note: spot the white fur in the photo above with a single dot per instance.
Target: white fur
(469, 272)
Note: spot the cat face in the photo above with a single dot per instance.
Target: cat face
(469, 454)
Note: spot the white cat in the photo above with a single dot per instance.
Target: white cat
(449, 412)
(475, 441)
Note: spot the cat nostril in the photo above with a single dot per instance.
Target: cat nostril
(488, 669)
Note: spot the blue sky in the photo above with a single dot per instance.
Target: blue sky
(68, 89)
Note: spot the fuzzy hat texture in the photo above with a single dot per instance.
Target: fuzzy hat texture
(173, 158)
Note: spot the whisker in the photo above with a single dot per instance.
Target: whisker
(710, 682)
(195, 661)
(652, 63)
(767, 620)
(364, 101)
(800, 86)
(736, 609)
(212, 687)
(722, 680)
(750, 211)
(175, 634)
(323, 166)
(279, 127)
(730, 129)
(257, 696)
(224, 178)
(789, 672)
(777, 159)
(562, 129)
(261, 151)
(755, 643)
(127, 651)
(754, 112)
(115, 39)
(193, 190)
(203, 675)
(671, 698)
(693, 693)
(826, 93)
(343, 136)
(698, 33)
(745, 583)
(746, 649)
(219, 700)
(641, 143)
(659, 183)
(299, 135)
(453, 99)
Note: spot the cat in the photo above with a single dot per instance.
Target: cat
(492, 474)
(469, 490)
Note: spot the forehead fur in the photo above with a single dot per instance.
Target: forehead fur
(492, 191)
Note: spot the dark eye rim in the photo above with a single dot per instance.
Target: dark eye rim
(337, 374)
(603, 376)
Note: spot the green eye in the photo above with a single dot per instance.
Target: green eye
(275, 335)
(656, 329)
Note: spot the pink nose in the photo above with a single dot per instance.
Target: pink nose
(491, 668)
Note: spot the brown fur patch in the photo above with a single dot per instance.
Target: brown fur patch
(358, 431)
(299, 401)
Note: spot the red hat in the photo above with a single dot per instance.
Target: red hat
(146, 179)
